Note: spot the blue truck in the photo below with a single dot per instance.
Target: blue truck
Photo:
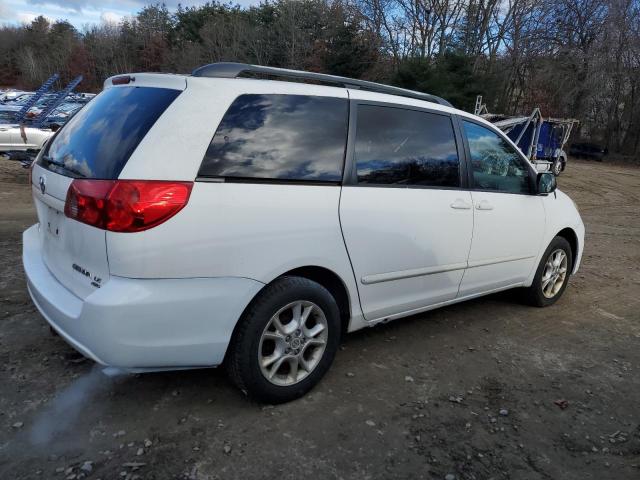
(542, 140)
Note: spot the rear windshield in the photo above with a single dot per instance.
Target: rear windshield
(100, 138)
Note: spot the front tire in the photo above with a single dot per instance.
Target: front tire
(285, 341)
(552, 275)
(557, 166)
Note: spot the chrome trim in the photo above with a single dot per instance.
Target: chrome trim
(419, 272)
(492, 261)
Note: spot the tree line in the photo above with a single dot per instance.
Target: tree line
(572, 58)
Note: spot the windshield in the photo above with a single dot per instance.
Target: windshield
(98, 141)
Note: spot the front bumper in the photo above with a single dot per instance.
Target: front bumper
(141, 324)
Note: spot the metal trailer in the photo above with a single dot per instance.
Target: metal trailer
(541, 139)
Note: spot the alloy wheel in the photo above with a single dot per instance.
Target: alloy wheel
(555, 273)
(293, 343)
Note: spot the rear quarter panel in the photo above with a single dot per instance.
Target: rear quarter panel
(256, 231)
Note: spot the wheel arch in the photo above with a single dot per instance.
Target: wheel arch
(332, 282)
(570, 236)
(322, 275)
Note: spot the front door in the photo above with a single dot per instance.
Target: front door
(407, 224)
(509, 219)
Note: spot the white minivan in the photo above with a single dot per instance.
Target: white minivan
(241, 216)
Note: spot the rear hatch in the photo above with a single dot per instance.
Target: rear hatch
(95, 144)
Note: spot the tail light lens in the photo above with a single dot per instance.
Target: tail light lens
(125, 205)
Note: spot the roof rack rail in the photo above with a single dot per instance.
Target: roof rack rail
(234, 70)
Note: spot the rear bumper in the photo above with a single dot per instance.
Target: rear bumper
(141, 324)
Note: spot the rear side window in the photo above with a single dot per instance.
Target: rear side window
(98, 141)
(405, 147)
(280, 137)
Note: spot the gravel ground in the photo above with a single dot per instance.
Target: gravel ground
(486, 389)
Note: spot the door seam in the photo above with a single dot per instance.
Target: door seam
(344, 242)
(473, 230)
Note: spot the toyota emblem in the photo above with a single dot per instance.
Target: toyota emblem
(43, 184)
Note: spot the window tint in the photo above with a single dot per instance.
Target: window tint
(285, 137)
(98, 141)
(406, 147)
(495, 164)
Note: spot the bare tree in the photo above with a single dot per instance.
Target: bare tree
(578, 58)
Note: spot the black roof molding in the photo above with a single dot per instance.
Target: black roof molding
(234, 70)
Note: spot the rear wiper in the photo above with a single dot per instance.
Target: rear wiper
(50, 160)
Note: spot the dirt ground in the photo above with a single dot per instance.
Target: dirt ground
(471, 391)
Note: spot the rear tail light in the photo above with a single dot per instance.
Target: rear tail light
(125, 205)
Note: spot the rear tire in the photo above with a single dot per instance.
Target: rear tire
(557, 166)
(552, 275)
(285, 341)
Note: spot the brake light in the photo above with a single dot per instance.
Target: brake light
(125, 205)
(123, 80)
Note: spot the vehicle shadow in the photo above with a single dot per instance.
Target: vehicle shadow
(150, 399)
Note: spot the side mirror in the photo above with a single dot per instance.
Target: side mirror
(546, 183)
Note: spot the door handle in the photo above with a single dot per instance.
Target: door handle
(460, 204)
(484, 205)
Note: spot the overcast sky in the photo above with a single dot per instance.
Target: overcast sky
(81, 12)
